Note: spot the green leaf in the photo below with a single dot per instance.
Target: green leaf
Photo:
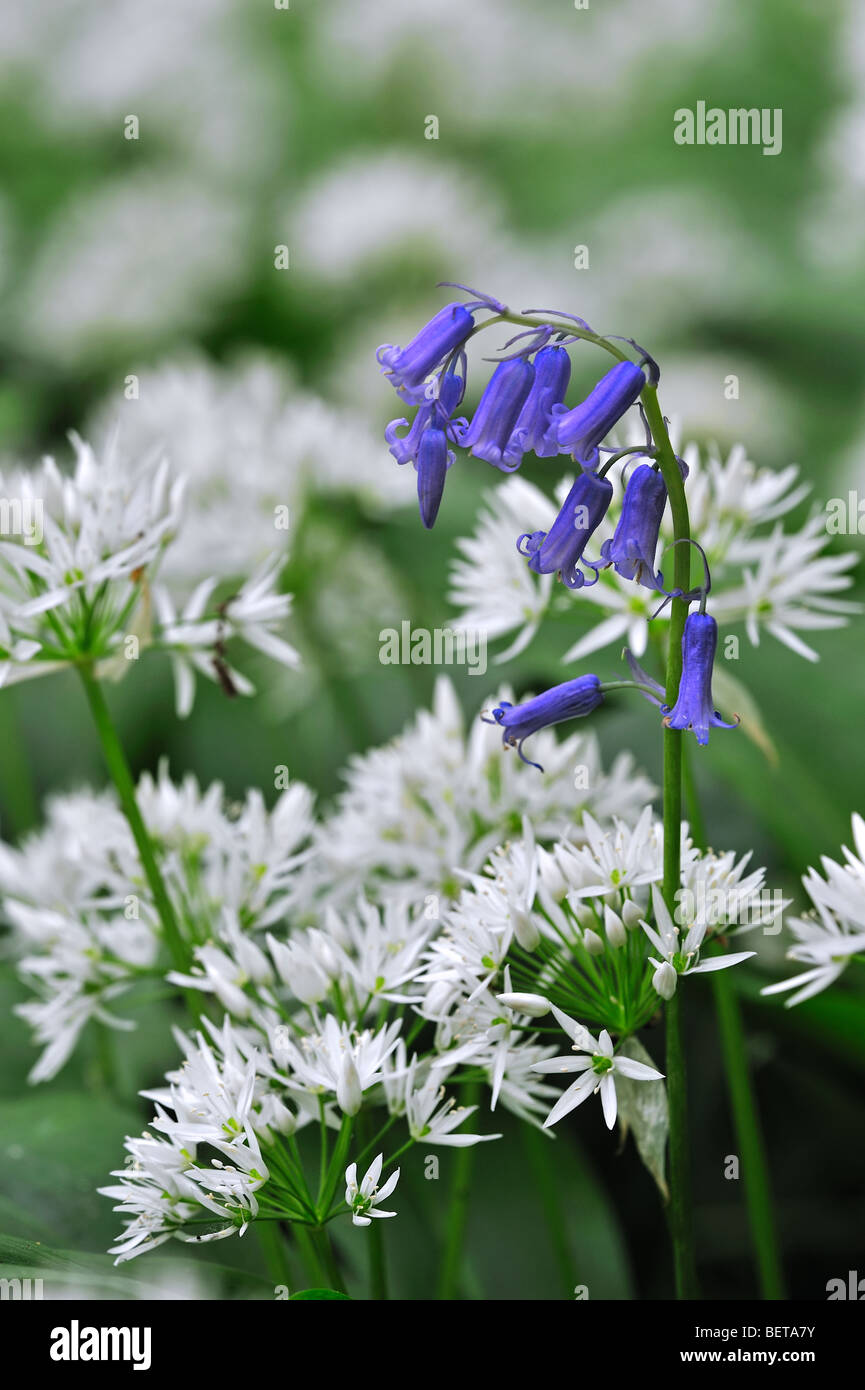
(56, 1149)
(32, 1254)
(735, 698)
(309, 1295)
(643, 1109)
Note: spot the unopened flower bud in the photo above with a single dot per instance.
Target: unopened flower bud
(275, 1116)
(615, 928)
(585, 914)
(551, 876)
(593, 943)
(348, 1093)
(632, 913)
(535, 1005)
(664, 980)
(525, 928)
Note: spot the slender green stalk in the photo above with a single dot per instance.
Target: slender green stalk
(743, 1103)
(749, 1137)
(378, 1285)
(313, 1268)
(21, 809)
(680, 1209)
(378, 1281)
(121, 775)
(272, 1243)
(324, 1248)
(680, 1170)
(458, 1208)
(537, 1148)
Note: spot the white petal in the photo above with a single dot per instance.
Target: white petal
(608, 1099)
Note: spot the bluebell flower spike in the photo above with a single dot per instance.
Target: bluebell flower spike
(571, 700)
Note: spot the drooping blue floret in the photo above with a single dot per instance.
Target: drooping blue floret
(634, 544)
(561, 548)
(433, 461)
(409, 367)
(694, 708)
(437, 409)
(570, 700)
(552, 374)
(578, 432)
(498, 411)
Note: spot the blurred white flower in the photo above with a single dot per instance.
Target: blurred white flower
(224, 112)
(132, 261)
(574, 52)
(397, 201)
(830, 936)
(253, 447)
(793, 587)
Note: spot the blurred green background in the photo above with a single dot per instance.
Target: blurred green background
(306, 128)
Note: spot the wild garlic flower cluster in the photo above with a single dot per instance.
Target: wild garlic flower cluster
(832, 934)
(407, 829)
(86, 929)
(80, 565)
(375, 1019)
(319, 1028)
(582, 930)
